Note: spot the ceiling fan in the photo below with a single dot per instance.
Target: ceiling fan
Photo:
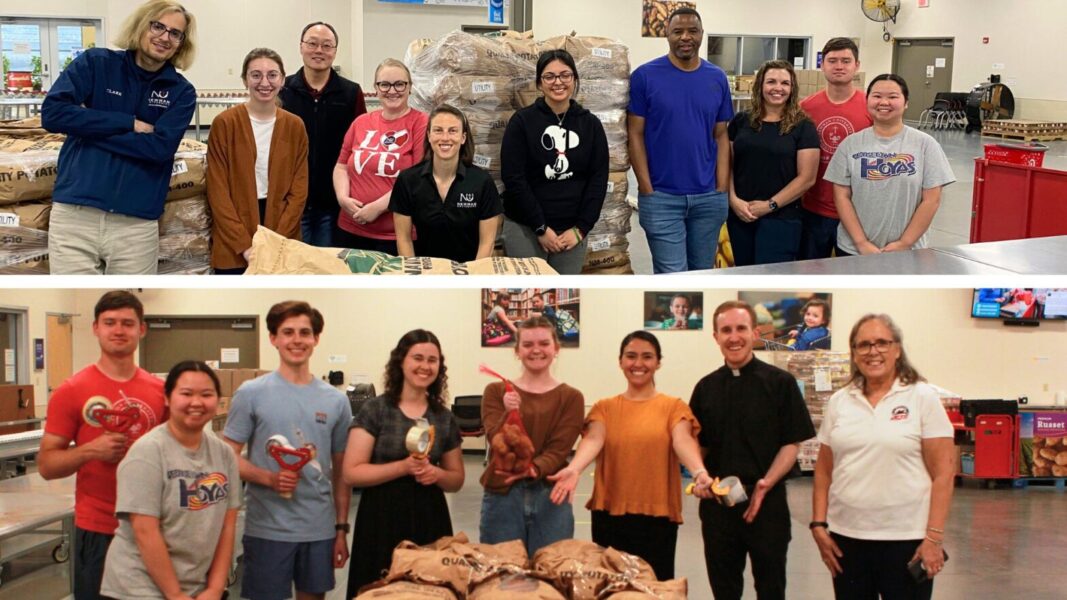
(881, 11)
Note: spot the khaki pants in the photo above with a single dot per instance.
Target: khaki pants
(88, 241)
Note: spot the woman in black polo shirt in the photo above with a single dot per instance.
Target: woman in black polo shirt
(453, 204)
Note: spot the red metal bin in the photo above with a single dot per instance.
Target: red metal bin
(1015, 202)
(994, 446)
(1030, 155)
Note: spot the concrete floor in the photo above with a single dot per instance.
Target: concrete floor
(951, 225)
(1000, 541)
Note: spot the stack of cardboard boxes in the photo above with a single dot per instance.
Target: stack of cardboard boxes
(813, 80)
(229, 381)
(819, 374)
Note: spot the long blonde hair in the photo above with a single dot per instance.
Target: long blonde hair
(133, 29)
(792, 114)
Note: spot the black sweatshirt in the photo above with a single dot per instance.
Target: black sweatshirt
(554, 175)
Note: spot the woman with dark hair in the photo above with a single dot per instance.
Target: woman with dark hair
(887, 178)
(403, 491)
(517, 507)
(177, 499)
(257, 166)
(377, 147)
(554, 163)
(884, 474)
(775, 160)
(453, 204)
(638, 431)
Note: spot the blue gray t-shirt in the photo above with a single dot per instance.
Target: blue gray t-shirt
(315, 414)
(681, 109)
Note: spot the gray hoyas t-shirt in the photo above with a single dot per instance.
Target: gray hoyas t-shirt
(314, 414)
(887, 177)
(189, 491)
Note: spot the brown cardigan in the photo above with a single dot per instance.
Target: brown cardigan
(231, 182)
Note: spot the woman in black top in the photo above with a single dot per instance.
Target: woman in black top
(453, 204)
(775, 150)
(403, 495)
(554, 163)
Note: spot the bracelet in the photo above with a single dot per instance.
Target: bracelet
(816, 524)
(577, 233)
(936, 530)
(935, 542)
(697, 474)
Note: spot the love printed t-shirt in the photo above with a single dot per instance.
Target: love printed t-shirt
(374, 152)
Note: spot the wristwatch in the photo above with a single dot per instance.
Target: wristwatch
(773, 205)
(345, 527)
(541, 230)
(815, 524)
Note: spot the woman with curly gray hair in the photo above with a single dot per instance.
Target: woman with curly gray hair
(884, 474)
(403, 492)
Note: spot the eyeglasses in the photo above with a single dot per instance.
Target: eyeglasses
(882, 346)
(271, 76)
(385, 86)
(565, 77)
(326, 46)
(158, 29)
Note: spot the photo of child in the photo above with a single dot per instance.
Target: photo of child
(504, 309)
(676, 311)
(795, 321)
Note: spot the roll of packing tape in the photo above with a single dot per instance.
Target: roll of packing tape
(419, 439)
(91, 405)
(278, 440)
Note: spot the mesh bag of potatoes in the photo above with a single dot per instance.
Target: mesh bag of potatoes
(512, 449)
(455, 563)
(582, 570)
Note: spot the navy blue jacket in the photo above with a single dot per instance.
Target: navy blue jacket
(104, 163)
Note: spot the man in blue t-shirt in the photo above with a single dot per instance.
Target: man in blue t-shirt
(679, 107)
(296, 521)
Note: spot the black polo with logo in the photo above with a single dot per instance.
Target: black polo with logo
(447, 229)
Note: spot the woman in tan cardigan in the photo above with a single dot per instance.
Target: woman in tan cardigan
(257, 166)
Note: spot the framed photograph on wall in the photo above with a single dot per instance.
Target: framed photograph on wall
(503, 310)
(654, 15)
(674, 311)
(791, 320)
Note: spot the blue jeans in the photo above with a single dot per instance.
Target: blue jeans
(682, 231)
(316, 226)
(819, 235)
(525, 513)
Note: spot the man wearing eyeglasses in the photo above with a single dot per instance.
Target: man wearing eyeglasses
(124, 113)
(752, 419)
(327, 103)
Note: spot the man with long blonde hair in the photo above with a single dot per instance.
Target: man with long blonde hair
(124, 113)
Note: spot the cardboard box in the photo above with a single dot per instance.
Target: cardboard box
(218, 423)
(225, 381)
(224, 406)
(242, 375)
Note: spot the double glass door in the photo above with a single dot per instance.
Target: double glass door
(34, 51)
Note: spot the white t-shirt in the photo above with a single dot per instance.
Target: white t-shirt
(263, 131)
(881, 488)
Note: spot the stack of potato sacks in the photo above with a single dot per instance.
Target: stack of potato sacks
(490, 78)
(28, 159)
(453, 568)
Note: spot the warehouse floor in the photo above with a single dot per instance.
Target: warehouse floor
(1000, 541)
(952, 224)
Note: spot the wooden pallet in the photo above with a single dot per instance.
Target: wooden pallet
(1026, 137)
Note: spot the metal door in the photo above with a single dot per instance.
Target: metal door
(58, 350)
(926, 64)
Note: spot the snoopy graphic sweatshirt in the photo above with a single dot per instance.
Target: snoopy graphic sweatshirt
(554, 167)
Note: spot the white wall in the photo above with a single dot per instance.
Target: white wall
(974, 358)
(1024, 36)
(38, 303)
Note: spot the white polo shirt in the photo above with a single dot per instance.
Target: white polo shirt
(881, 488)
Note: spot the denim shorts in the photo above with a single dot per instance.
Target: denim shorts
(271, 568)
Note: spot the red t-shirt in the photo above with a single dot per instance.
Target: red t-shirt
(834, 123)
(375, 150)
(94, 488)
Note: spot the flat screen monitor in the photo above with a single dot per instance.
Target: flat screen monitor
(1022, 304)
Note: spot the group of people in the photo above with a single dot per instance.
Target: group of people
(303, 158)
(836, 173)
(157, 498)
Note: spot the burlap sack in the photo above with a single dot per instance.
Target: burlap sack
(488, 127)
(27, 169)
(614, 121)
(273, 254)
(595, 57)
(524, 98)
(614, 219)
(33, 215)
(515, 587)
(454, 562)
(469, 93)
(406, 590)
(618, 156)
(672, 589)
(618, 188)
(188, 176)
(23, 251)
(184, 266)
(26, 128)
(459, 52)
(606, 259)
(582, 569)
(191, 246)
(604, 94)
(188, 214)
(487, 156)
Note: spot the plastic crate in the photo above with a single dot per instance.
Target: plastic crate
(1029, 155)
(967, 464)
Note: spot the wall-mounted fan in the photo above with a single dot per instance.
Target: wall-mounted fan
(881, 11)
